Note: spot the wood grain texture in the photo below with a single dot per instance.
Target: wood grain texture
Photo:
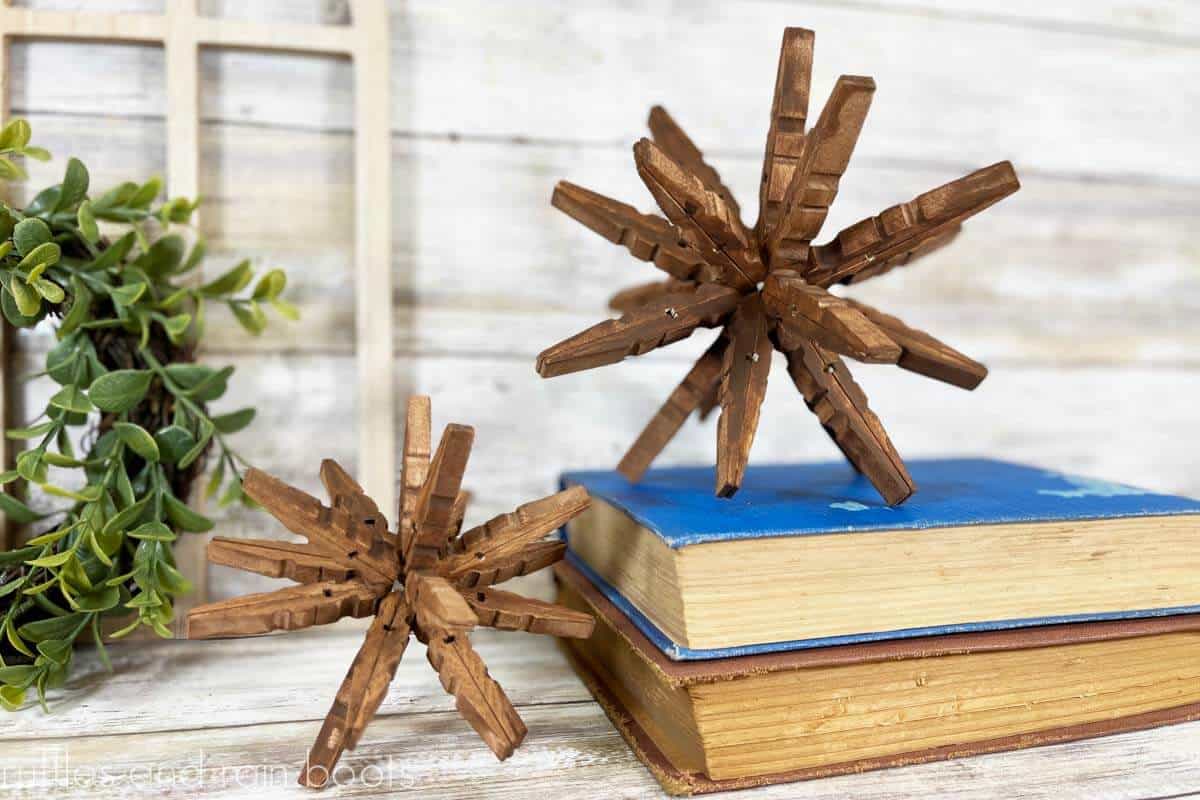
(636, 296)
(301, 563)
(478, 697)
(818, 171)
(707, 219)
(531, 559)
(361, 691)
(667, 134)
(805, 312)
(701, 385)
(743, 389)
(494, 543)
(289, 609)
(785, 136)
(438, 606)
(254, 724)
(923, 354)
(892, 238)
(434, 517)
(661, 322)
(414, 463)
(841, 405)
(341, 535)
(646, 236)
(512, 612)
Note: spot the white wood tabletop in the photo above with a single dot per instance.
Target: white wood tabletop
(235, 718)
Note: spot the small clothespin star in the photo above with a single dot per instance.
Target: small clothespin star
(767, 287)
(427, 580)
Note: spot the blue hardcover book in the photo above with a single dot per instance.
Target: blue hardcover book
(808, 555)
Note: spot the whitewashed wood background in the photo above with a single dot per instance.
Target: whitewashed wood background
(1081, 292)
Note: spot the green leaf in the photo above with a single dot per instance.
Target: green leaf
(154, 531)
(20, 675)
(12, 698)
(251, 316)
(214, 480)
(206, 434)
(7, 223)
(52, 560)
(99, 600)
(121, 389)
(128, 629)
(137, 439)
(74, 185)
(117, 196)
(16, 511)
(172, 579)
(270, 285)
(286, 310)
(202, 383)
(8, 305)
(29, 302)
(70, 398)
(87, 222)
(146, 193)
(124, 488)
(230, 282)
(52, 536)
(163, 256)
(174, 441)
(31, 467)
(113, 254)
(194, 258)
(57, 650)
(127, 517)
(45, 201)
(88, 494)
(184, 518)
(29, 234)
(11, 171)
(234, 421)
(49, 290)
(233, 493)
(60, 460)
(15, 639)
(80, 310)
(15, 136)
(176, 326)
(51, 628)
(36, 153)
(128, 294)
(29, 433)
(61, 360)
(36, 260)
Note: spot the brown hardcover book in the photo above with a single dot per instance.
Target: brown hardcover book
(705, 726)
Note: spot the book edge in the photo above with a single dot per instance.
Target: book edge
(683, 671)
(677, 782)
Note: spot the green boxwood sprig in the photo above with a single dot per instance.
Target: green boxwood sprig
(115, 281)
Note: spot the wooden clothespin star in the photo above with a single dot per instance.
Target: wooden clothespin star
(427, 581)
(767, 288)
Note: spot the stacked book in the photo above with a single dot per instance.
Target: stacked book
(804, 629)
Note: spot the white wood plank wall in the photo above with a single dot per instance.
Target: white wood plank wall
(1082, 292)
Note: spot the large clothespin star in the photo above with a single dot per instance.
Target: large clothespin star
(767, 288)
(428, 580)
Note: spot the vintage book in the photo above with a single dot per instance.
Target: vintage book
(808, 556)
(703, 726)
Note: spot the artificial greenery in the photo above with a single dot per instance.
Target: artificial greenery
(129, 417)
